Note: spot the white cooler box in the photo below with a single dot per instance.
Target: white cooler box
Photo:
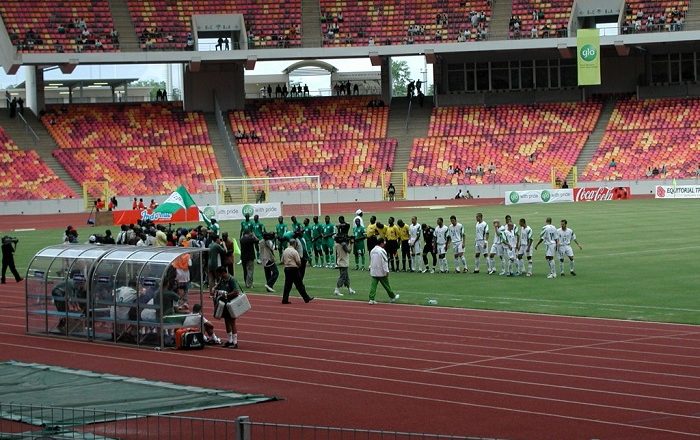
(238, 306)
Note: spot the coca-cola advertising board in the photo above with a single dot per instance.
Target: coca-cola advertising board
(601, 194)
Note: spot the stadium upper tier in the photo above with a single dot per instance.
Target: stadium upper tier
(336, 118)
(143, 170)
(522, 143)
(126, 125)
(654, 16)
(358, 23)
(341, 164)
(548, 18)
(513, 119)
(58, 26)
(647, 134)
(268, 22)
(24, 176)
(509, 155)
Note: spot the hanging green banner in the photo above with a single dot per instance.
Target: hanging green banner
(588, 57)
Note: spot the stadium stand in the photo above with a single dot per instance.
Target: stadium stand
(522, 143)
(58, 26)
(144, 170)
(137, 148)
(359, 23)
(647, 134)
(341, 164)
(339, 138)
(165, 24)
(24, 176)
(311, 119)
(112, 125)
(654, 16)
(552, 18)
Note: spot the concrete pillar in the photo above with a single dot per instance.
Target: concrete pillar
(34, 84)
(386, 79)
(203, 80)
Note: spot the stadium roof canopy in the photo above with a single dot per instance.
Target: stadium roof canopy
(310, 63)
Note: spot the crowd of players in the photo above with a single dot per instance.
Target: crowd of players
(412, 247)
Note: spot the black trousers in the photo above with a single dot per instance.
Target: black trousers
(10, 262)
(271, 274)
(292, 276)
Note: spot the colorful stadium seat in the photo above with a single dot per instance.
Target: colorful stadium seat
(43, 17)
(24, 176)
(553, 18)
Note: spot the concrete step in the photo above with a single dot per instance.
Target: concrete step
(595, 138)
(311, 23)
(225, 160)
(128, 40)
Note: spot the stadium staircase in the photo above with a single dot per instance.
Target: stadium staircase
(15, 128)
(227, 164)
(500, 18)
(124, 25)
(595, 137)
(405, 126)
(692, 17)
(311, 23)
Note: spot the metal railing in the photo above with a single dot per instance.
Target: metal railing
(276, 431)
(225, 133)
(28, 128)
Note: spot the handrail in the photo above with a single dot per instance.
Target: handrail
(226, 136)
(28, 128)
(408, 114)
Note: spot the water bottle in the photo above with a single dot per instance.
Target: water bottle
(432, 302)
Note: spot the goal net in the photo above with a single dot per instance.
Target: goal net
(298, 195)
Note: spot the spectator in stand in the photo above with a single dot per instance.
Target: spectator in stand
(219, 44)
(480, 170)
(663, 169)
(142, 206)
(468, 172)
(153, 205)
(649, 172)
(135, 204)
(306, 90)
(612, 164)
(492, 168)
(655, 171)
(533, 31)
(226, 44)
(697, 171)
(450, 171)
(190, 42)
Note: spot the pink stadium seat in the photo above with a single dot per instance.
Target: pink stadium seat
(654, 15)
(555, 16)
(647, 134)
(24, 176)
(138, 148)
(505, 136)
(43, 18)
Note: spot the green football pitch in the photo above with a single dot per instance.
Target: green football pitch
(638, 262)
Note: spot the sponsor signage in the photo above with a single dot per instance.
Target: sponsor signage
(237, 212)
(598, 194)
(677, 192)
(539, 196)
(588, 57)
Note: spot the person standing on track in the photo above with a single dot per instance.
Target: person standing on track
(292, 276)
(379, 271)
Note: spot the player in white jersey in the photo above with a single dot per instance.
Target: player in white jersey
(496, 248)
(414, 234)
(551, 241)
(566, 236)
(481, 241)
(441, 239)
(500, 231)
(524, 247)
(456, 231)
(510, 244)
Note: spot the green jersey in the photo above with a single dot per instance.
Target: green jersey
(258, 230)
(280, 229)
(316, 234)
(297, 227)
(308, 233)
(359, 233)
(328, 230)
(246, 224)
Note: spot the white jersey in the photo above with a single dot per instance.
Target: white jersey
(549, 235)
(482, 230)
(441, 234)
(497, 237)
(566, 236)
(500, 233)
(525, 235)
(414, 232)
(509, 238)
(456, 232)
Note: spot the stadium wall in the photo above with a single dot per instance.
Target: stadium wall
(202, 81)
(47, 207)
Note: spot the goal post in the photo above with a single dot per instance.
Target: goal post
(298, 195)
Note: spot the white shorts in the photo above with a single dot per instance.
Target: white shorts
(481, 247)
(508, 252)
(441, 248)
(457, 247)
(497, 249)
(550, 250)
(566, 250)
(416, 247)
(522, 250)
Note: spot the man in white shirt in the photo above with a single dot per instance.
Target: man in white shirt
(414, 234)
(510, 243)
(524, 247)
(441, 239)
(566, 236)
(550, 237)
(480, 241)
(456, 234)
(379, 271)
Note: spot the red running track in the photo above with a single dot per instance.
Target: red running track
(422, 369)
